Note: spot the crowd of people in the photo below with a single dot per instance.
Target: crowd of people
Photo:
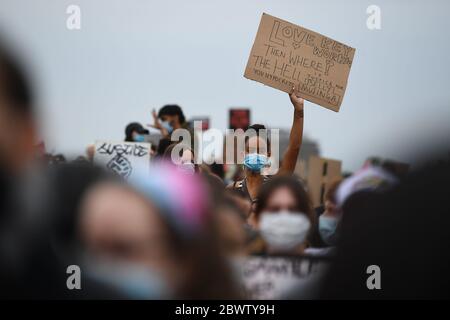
(178, 230)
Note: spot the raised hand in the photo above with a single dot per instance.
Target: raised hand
(297, 102)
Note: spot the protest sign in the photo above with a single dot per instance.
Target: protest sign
(123, 158)
(239, 119)
(272, 277)
(322, 172)
(285, 55)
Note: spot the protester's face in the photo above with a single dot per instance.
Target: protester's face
(281, 199)
(119, 225)
(172, 120)
(16, 138)
(137, 137)
(256, 144)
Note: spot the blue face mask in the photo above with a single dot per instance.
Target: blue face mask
(166, 125)
(135, 282)
(255, 161)
(139, 138)
(327, 229)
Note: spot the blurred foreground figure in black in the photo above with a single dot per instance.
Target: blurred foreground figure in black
(17, 137)
(404, 232)
(30, 266)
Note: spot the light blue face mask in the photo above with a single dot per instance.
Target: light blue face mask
(139, 138)
(327, 229)
(255, 161)
(166, 125)
(135, 282)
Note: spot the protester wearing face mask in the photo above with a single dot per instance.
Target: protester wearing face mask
(284, 216)
(329, 219)
(154, 241)
(368, 178)
(257, 153)
(169, 118)
(135, 132)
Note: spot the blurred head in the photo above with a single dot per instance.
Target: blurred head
(369, 178)
(257, 149)
(120, 228)
(17, 129)
(172, 117)
(135, 132)
(241, 200)
(231, 222)
(182, 156)
(284, 214)
(229, 215)
(151, 240)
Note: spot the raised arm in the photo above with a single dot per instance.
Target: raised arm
(157, 125)
(295, 137)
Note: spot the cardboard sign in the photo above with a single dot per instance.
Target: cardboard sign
(123, 158)
(273, 277)
(285, 55)
(322, 172)
(239, 119)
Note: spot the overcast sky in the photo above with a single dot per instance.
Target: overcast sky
(133, 55)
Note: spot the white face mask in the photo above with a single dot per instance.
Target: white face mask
(284, 230)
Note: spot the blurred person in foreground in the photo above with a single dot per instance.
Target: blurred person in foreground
(28, 266)
(257, 153)
(369, 178)
(17, 125)
(31, 267)
(401, 232)
(155, 239)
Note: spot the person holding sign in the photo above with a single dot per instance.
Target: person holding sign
(257, 153)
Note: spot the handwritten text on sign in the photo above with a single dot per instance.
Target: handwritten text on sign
(285, 56)
(273, 277)
(123, 158)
